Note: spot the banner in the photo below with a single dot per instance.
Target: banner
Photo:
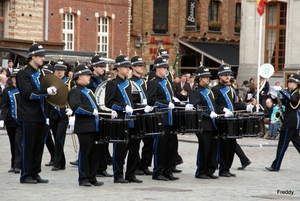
(175, 66)
(260, 6)
(191, 15)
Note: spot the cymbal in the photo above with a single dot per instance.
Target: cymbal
(61, 98)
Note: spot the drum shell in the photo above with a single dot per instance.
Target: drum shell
(230, 127)
(114, 130)
(188, 121)
(151, 123)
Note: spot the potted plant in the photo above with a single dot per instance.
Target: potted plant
(237, 27)
(214, 25)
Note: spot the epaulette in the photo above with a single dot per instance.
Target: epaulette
(74, 87)
(23, 67)
(152, 79)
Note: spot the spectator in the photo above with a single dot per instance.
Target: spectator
(251, 93)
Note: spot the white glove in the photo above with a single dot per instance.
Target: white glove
(277, 88)
(47, 121)
(1, 123)
(148, 108)
(171, 105)
(176, 100)
(249, 108)
(213, 115)
(144, 101)
(95, 112)
(128, 109)
(114, 114)
(52, 90)
(69, 111)
(189, 107)
(228, 113)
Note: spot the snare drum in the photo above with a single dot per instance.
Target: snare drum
(150, 123)
(188, 121)
(114, 130)
(230, 127)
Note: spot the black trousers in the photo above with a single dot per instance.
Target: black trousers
(165, 152)
(286, 135)
(49, 143)
(88, 157)
(207, 153)
(147, 153)
(133, 147)
(15, 140)
(226, 152)
(59, 129)
(119, 154)
(32, 149)
(240, 153)
(104, 157)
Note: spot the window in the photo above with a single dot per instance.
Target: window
(1, 19)
(213, 11)
(237, 24)
(103, 34)
(275, 35)
(160, 16)
(213, 23)
(68, 31)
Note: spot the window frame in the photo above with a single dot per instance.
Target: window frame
(103, 34)
(160, 16)
(69, 30)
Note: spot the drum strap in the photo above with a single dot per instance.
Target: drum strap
(205, 93)
(122, 87)
(140, 82)
(163, 84)
(86, 91)
(13, 101)
(35, 76)
(224, 92)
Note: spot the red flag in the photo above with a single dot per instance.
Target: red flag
(260, 6)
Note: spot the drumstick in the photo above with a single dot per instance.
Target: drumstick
(103, 113)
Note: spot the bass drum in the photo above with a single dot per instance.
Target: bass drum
(100, 95)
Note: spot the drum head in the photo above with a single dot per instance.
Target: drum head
(100, 96)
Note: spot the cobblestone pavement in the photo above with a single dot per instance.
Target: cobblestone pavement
(253, 183)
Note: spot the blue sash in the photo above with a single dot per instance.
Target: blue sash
(85, 91)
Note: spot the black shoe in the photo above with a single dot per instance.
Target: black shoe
(171, 177)
(97, 183)
(272, 169)
(11, 170)
(55, 168)
(139, 172)
(40, 180)
(203, 176)
(147, 172)
(212, 176)
(51, 163)
(121, 181)
(17, 170)
(176, 170)
(29, 180)
(104, 174)
(244, 165)
(134, 180)
(86, 184)
(232, 175)
(224, 174)
(74, 162)
(160, 178)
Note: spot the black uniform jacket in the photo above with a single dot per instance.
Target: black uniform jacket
(291, 101)
(204, 97)
(82, 101)
(136, 95)
(225, 96)
(31, 104)
(9, 104)
(118, 94)
(95, 81)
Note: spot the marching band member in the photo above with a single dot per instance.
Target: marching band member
(9, 102)
(207, 142)
(82, 101)
(97, 67)
(291, 120)
(160, 94)
(58, 118)
(31, 115)
(226, 101)
(118, 96)
(147, 151)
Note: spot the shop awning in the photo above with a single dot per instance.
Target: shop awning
(68, 56)
(229, 53)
